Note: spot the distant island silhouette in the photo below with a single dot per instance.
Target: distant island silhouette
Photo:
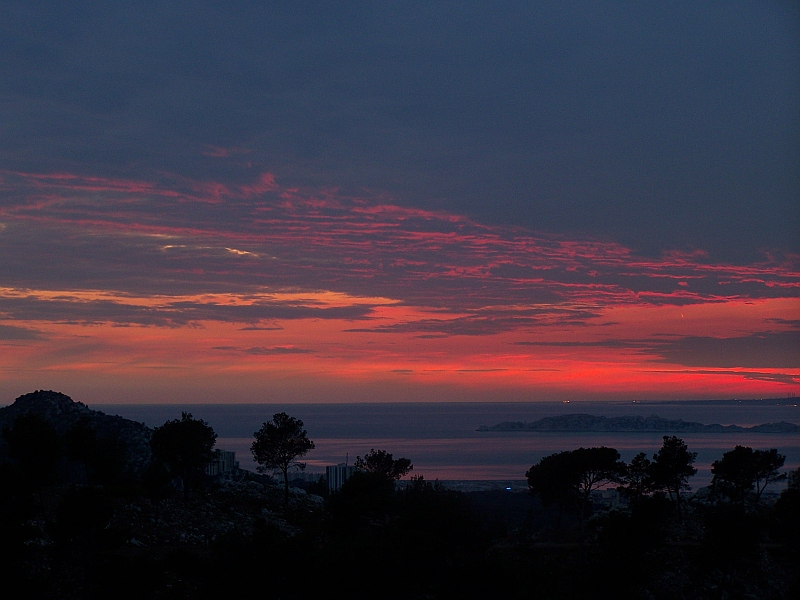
(651, 424)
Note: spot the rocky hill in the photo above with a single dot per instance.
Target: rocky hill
(60, 411)
(651, 424)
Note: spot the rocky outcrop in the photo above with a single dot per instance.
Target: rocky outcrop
(61, 412)
(651, 424)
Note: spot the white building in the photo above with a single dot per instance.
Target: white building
(225, 461)
(336, 475)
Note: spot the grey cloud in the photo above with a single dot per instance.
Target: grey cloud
(770, 349)
(492, 323)
(175, 314)
(77, 257)
(577, 117)
(593, 344)
(795, 323)
(14, 333)
(264, 350)
(277, 310)
(65, 311)
(788, 378)
(276, 350)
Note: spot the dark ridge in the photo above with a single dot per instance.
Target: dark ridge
(62, 412)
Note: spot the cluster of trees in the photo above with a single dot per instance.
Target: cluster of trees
(282, 441)
(743, 473)
(181, 450)
(38, 455)
(723, 532)
(567, 479)
(434, 536)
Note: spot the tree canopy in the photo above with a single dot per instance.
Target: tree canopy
(794, 479)
(744, 470)
(569, 478)
(184, 446)
(371, 489)
(383, 464)
(553, 480)
(637, 479)
(672, 467)
(278, 445)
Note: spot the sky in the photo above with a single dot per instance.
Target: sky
(399, 201)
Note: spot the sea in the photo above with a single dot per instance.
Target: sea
(443, 442)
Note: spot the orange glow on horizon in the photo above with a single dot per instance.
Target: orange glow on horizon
(325, 351)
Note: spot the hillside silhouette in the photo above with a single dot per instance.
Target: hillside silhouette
(88, 510)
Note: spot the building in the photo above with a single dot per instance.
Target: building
(336, 475)
(608, 498)
(226, 461)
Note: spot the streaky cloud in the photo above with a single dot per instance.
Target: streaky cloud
(15, 333)
(780, 350)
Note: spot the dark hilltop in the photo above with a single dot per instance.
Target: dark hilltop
(63, 413)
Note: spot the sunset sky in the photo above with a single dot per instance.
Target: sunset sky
(328, 202)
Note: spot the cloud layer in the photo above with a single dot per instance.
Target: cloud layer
(658, 126)
(391, 201)
(342, 286)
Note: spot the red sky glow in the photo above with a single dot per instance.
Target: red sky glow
(182, 290)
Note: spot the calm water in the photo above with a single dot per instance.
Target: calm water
(442, 442)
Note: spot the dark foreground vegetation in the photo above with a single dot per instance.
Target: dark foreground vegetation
(87, 510)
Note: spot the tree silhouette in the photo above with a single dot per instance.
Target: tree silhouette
(794, 479)
(371, 489)
(672, 467)
(184, 446)
(278, 445)
(383, 464)
(767, 464)
(569, 478)
(787, 512)
(553, 480)
(733, 474)
(743, 470)
(637, 479)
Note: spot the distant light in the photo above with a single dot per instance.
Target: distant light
(509, 488)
